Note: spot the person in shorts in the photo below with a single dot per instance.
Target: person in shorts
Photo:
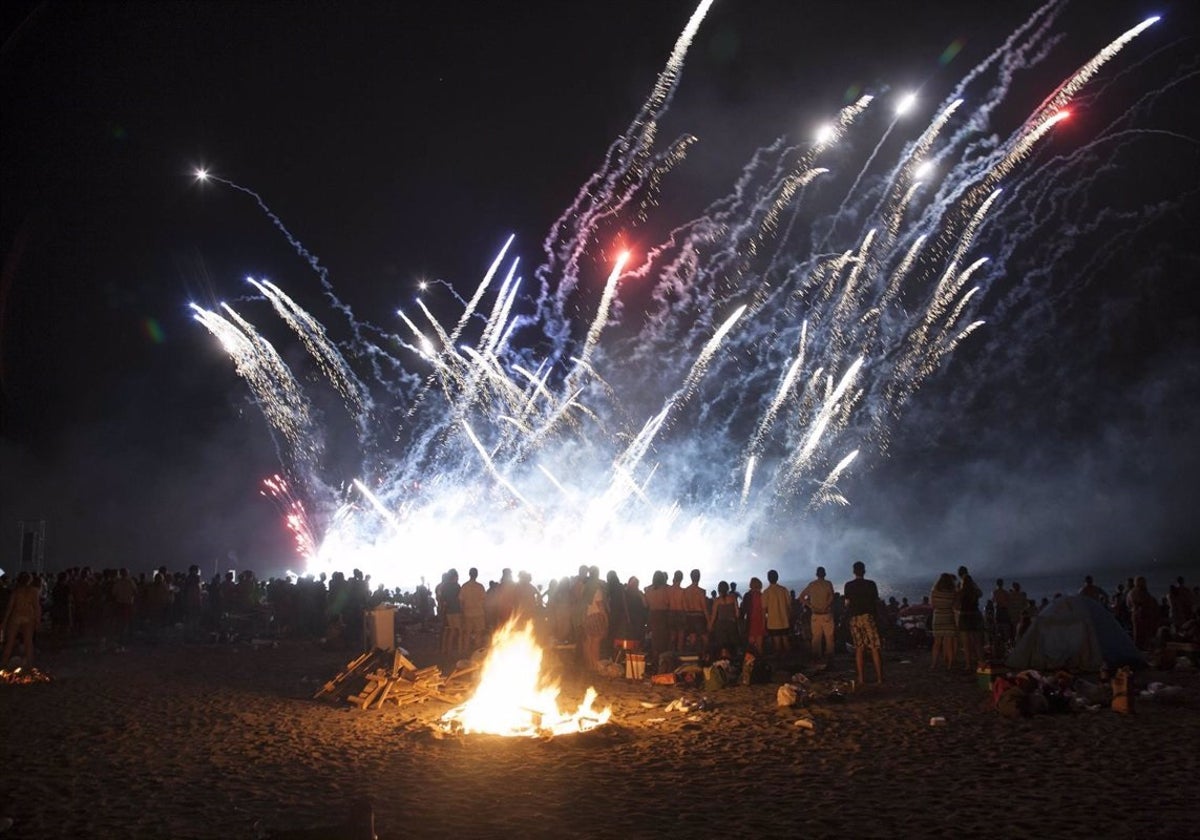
(862, 602)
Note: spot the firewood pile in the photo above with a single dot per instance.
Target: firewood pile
(389, 676)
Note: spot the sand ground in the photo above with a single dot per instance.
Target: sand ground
(224, 741)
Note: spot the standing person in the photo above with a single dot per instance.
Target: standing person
(451, 607)
(722, 622)
(472, 597)
(678, 611)
(777, 603)
(754, 619)
(635, 610)
(695, 606)
(1143, 609)
(22, 616)
(123, 593)
(1003, 617)
(595, 621)
(945, 630)
(1120, 608)
(862, 602)
(970, 619)
(659, 612)
(818, 596)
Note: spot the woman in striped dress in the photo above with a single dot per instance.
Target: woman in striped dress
(945, 631)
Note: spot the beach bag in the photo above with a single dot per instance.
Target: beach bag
(1013, 703)
(760, 672)
(715, 678)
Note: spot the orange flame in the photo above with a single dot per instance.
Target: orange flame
(515, 699)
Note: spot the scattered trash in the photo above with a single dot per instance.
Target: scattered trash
(905, 661)
(655, 720)
(937, 721)
(804, 723)
(786, 696)
(702, 704)
(612, 670)
(1162, 693)
(646, 705)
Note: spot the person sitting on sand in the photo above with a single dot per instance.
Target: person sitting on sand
(945, 631)
(22, 615)
(862, 602)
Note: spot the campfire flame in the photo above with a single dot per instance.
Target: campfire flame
(515, 699)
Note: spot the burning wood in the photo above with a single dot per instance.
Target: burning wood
(23, 676)
(515, 699)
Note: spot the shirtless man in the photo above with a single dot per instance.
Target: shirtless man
(21, 617)
(677, 611)
(695, 607)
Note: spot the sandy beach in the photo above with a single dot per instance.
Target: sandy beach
(197, 741)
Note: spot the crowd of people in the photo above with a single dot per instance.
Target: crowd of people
(598, 616)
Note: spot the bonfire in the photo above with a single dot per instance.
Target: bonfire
(515, 698)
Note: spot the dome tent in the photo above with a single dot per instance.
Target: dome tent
(1077, 633)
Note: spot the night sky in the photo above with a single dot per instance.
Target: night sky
(405, 141)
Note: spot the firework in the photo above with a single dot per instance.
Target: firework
(746, 388)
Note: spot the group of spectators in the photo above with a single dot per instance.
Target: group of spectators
(597, 615)
(601, 616)
(110, 607)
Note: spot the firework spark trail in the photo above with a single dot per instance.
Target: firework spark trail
(828, 409)
(626, 170)
(312, 334)
(469, 309)
(853, 191)
(1067, 90)
(827, 490)
(275, 389)
(295, 515)
(601, 319)
(376, 503)
(491, 467)
(785, 389)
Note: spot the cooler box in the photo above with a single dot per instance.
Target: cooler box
(635, 666)
(379, 628)
(985, 674)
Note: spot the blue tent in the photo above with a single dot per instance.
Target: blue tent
(1077, 633)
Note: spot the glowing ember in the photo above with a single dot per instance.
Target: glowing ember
(23, 676)
(515, 699)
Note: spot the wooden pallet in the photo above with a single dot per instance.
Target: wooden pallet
(381, 677)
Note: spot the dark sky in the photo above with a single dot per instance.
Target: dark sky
(402, 141)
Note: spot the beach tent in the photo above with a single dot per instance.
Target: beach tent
(1074, 632)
